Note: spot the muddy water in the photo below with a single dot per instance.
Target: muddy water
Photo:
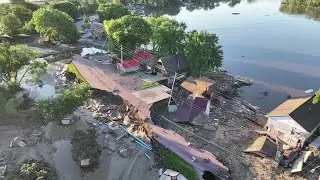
(66, 167)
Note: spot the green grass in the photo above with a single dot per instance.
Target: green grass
(149, 85)
(172, 161)
(72, 68)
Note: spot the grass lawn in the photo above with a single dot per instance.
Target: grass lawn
(149, 85)
(72, 68)
(172, 161)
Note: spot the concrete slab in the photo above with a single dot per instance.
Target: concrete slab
(152, 95)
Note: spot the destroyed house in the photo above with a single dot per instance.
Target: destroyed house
(294, 120)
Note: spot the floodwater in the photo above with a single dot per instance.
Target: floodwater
(279, 51)
(66, 167)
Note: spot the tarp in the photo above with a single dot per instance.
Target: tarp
(92, 51)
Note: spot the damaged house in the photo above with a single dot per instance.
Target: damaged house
(169, 65)
(294, 120)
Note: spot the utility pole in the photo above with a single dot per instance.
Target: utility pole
(174, 80)
(121, 54)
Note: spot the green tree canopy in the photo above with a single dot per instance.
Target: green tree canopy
(24, 14)
(17, 63)
(55, 25)
(316, 99)
(168, 35)
(310, 8)
(68, 8)
(203, 51)
(111, 11)
(11, 25)
(130, 31)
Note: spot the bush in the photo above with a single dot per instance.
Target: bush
(55, 25)
(68, 8)
(33, 170)
(111, 11)
(11, 25)
(85, 146)
(55, 109)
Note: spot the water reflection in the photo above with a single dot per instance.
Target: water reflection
(66, 167)
(310, 8)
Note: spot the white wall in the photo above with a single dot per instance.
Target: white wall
(287, 129)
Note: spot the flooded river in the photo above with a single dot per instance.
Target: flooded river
(279, 51)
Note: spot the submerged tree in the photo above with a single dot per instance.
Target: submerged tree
(203, 51)
(130, 31)
(111, 11)
(17, 63)
(55, 25)
(168, 35)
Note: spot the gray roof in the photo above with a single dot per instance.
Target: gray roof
(177, 63)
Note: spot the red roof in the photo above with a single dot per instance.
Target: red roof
(136, 59)
(139, 56)
(129, 64)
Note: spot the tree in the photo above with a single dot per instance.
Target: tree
(203, 51)
(55, 25)
(54, 109)
(130, 31)
(316, 99)
(17, 62)
(111, 11)
(168, 35)
(68, 8)
(24, 14)
(11, 25)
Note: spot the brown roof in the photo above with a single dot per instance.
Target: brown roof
(197, 85)
(288, 107)
(263, 145)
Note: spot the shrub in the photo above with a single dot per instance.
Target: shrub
(33, 170)
(55, 25)
(68, 8)
(11, 25)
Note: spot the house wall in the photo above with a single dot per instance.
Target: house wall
(287, 130)
(208, 107)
